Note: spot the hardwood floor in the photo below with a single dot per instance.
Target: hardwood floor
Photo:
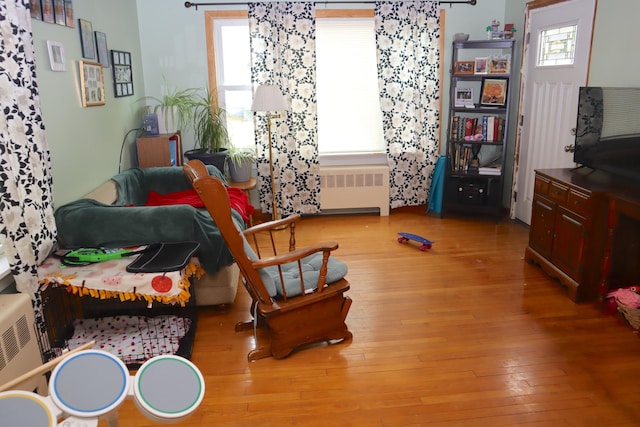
(466, 334)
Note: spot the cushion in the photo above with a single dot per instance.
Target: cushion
(311, 265)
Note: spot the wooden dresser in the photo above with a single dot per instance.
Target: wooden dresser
(621, 266)
(569, 229)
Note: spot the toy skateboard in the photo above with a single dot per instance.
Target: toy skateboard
(424, 243)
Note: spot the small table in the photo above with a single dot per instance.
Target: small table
(245, 186)
(110, 279)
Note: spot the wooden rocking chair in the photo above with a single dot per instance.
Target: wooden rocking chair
(297, 296)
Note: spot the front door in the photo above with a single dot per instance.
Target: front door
(555, 66)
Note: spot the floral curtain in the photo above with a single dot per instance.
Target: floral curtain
(408, 40)
(27, 227)
(283, 54)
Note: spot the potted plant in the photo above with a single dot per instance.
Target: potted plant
(240, 162)
(210, 130)
(174, 110)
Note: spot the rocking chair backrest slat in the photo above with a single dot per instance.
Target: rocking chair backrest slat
(216, 200)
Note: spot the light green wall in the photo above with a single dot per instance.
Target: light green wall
(169, 40)
(173, 46)
(613, 57)
(179, 56)
(85, 142)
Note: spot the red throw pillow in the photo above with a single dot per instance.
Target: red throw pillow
(186, 197)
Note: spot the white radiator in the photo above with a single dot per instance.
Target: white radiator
(19, 349)
(354, 187)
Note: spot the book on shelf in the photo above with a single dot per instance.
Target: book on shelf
(490, 126)
(491, 169)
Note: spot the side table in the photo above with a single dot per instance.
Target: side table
(246, 186)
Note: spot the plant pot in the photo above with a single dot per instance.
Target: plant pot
(216, 159)
(240, 172)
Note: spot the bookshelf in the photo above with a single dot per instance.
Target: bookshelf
(478, 119)
(159, 150)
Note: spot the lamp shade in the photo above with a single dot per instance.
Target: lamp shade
(269, 98)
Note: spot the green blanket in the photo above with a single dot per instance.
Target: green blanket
(88, 223)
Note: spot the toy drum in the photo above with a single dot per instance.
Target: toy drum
(89, 384)
(168, 388)
(22, 408)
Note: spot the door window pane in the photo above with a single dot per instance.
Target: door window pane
(557, 46)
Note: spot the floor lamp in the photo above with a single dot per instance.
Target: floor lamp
(269, 99)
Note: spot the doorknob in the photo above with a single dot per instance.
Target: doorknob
(570, 148)
(573, 131)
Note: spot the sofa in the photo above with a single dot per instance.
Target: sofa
(116, 215)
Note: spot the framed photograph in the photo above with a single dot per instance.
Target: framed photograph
(122, 74)
(91, 83)
(463, 97)
(494, 92)
(101, 47)
(481, 65)
(36, 9)
(68, 13)
(463, 67)
(86, 39)
(56, 55)
(499, 64)
(58, 12)
(47, 11)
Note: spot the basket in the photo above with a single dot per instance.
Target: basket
(631, 314)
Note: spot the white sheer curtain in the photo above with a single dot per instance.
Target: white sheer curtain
(27, 226)
(408, 41)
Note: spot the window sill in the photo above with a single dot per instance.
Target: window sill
(352, 159)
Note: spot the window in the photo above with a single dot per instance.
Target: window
(349, 117)
(233, 78)
(557, 46)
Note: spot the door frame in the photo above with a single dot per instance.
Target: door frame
(532, 5)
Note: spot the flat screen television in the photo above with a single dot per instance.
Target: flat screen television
(608, 130)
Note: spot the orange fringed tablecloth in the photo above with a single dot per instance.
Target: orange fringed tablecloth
(110, 279)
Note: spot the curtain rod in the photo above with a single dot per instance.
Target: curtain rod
(189, 4)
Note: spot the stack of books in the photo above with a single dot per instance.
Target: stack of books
(490, 169)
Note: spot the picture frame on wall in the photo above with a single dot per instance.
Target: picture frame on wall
(68, 13)
(56, 55)
(101, 47)
(47, 11)
(36, 9)
(58, 12)
(122, 73)
(91, 83)
(494, 92)
(86, 39)
(463, 67)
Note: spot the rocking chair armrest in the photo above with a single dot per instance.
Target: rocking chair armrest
(295, 255)
(265, 226)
